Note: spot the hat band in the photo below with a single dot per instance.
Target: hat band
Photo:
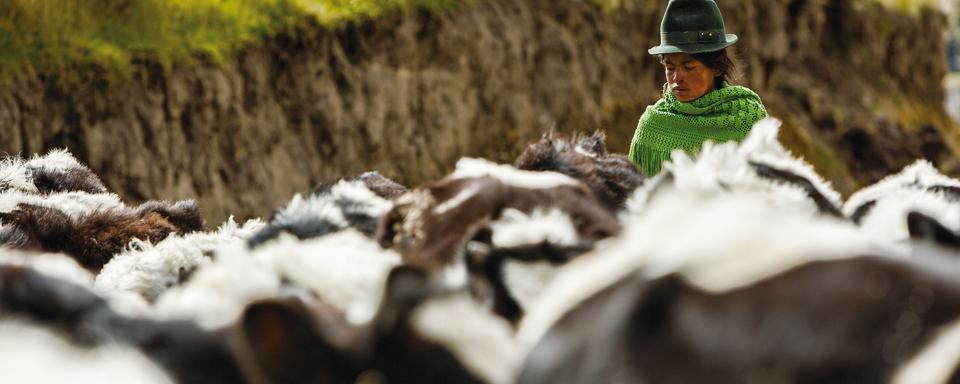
(694, 37)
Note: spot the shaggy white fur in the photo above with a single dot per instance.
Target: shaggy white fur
(73, 204)
(515, 228)
(482, 342)
(29, 354)
(150, 269)
(917, 176)
(762, 146)
(15, 174)
(346, 270)
(57, 159)
(717, 244)
(470, 168)
(324, 205)
(888, 218)
(218, 292)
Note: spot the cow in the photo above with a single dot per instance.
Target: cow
(611, 177)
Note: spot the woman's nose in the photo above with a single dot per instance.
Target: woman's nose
(675, 77)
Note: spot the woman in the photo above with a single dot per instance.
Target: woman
(698, 102)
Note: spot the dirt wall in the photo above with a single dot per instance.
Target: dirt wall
(857, 86)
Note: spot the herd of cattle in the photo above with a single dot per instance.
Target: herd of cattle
(738, 265)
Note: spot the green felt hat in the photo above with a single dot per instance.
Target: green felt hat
(692, 26)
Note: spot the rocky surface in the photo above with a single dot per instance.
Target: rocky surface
(858, 87)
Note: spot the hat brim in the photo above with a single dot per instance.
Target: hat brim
(664, 49)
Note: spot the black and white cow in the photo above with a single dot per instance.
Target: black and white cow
(737, 290)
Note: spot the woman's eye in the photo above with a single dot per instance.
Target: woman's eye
(689, 68)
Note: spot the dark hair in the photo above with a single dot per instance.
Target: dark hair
(725, 61)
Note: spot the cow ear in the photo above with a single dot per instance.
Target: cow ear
(287, 347)
(923, 227)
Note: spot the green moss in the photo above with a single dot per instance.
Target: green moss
(55, 36)
(913, 7)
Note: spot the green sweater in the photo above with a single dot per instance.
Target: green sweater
(724, 114)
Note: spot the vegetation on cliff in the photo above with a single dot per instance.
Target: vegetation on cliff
(49, 36)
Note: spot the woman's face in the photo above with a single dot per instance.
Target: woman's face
(688, 78)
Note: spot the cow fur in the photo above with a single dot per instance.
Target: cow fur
(73, 204)
(57, 171)
(431, 226)
(760, 163)
(513, 260)
(421, 333)
(92, 239)
(921, 176)
(375, 182)
(149, 269)
(329, 209)
(612, 178)
(688, 296)
(187, 353)
(30, 354)
(785, 328)
(345, 270)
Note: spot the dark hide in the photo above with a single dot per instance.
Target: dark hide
(778, 175)
(296, 344)
(612, 178)
(184, 214)
(431, 240)
(486, 264)
(307, 228)
(92, 239)
(188, 353)
(73, 179)
(292, 344)
(926, 228)
(845, 321)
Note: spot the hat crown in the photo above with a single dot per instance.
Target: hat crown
(692, 16)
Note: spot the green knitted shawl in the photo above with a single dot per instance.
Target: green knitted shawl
(724, 114)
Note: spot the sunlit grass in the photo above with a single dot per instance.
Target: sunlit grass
(911, 6)
(58, 36)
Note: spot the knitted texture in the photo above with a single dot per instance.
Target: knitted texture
(724, 114)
